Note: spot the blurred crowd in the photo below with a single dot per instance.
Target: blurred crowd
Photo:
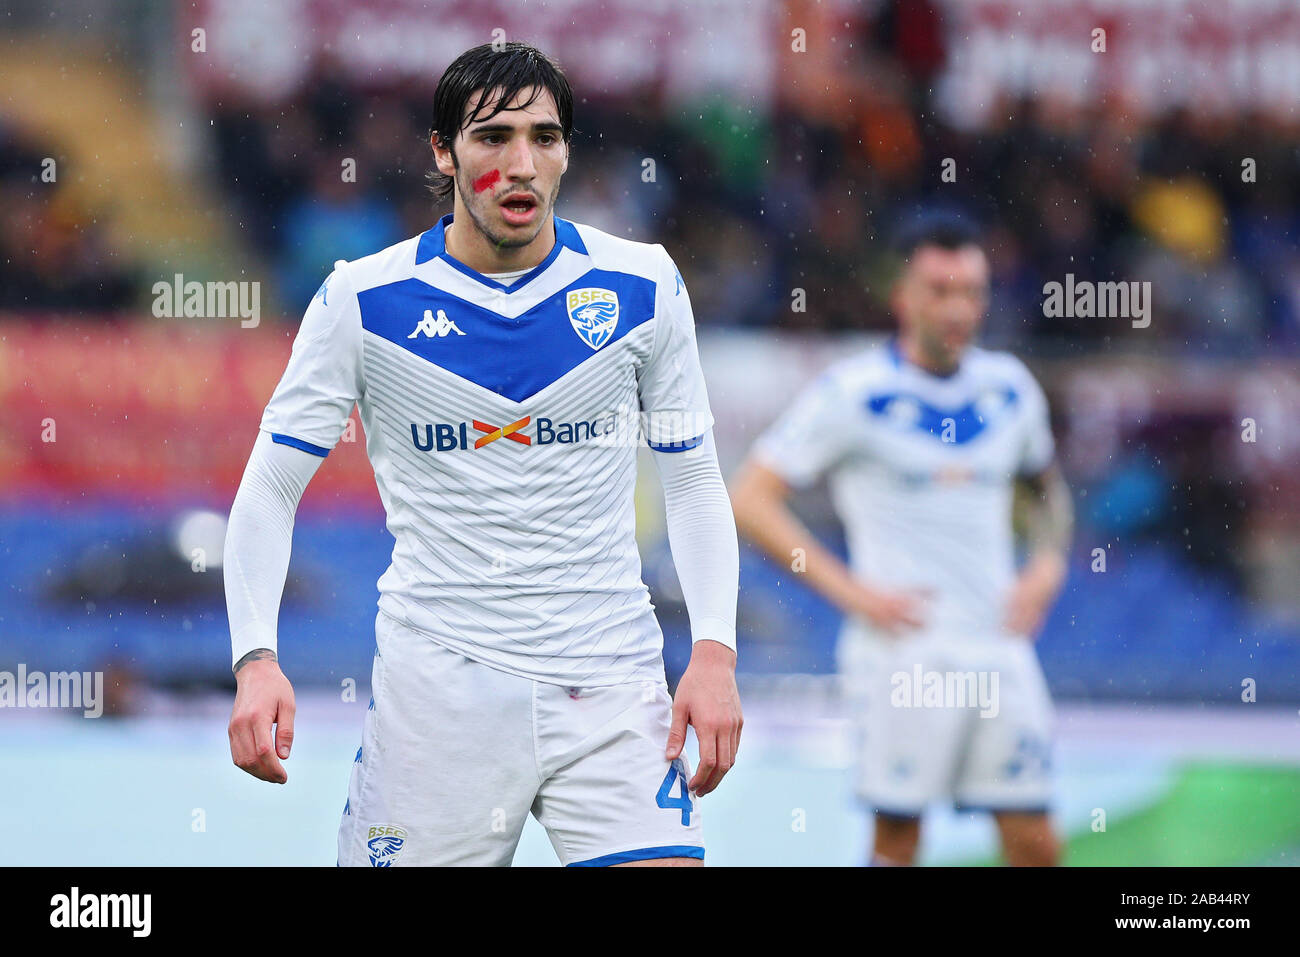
(54, 253)
(806, 196)
(755, 205)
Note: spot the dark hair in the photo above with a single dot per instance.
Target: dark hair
(507, 70)
(943, 230)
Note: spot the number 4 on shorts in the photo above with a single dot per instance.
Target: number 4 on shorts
(664, 799)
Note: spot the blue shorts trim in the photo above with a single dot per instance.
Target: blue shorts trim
(643, 854)
(299, 444)
(899, 813)
(1001, 809)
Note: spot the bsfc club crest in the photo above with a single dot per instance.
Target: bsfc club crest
(594, 314)
(384, 842)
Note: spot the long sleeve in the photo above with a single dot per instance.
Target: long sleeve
(702, 536)
(258, 540)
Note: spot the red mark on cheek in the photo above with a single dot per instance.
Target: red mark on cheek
(487, 181)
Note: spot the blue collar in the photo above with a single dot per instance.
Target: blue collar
(901, 360)
(433, 245)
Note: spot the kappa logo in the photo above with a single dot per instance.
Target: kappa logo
(594, 314)
(384, 842)
(438, 327)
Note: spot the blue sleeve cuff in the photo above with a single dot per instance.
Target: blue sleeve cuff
(299, 444)
(681, 446)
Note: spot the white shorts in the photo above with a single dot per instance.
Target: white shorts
(941, 719)
(456, 753)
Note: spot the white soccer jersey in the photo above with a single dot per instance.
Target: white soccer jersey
(921, 471)
(503, 422)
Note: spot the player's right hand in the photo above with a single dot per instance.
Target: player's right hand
(894, 612)
(264, 698)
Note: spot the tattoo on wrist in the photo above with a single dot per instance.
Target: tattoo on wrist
(257, 654)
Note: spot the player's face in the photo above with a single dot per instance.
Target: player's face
(508, 169)
(941, 299)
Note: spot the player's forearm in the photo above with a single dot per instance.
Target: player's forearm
(764, 518)
(259, 536)
(702, 537)
(1048, 516)
(1048, 521)
(257, 654)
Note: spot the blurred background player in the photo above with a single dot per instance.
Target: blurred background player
(922, 439)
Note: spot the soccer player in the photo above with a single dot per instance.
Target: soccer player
(922, 440)
(506, 364)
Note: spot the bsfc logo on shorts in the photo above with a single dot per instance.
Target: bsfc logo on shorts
(594, 314)
(384, 842)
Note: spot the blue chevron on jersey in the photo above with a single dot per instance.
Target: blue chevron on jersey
(515, 358)
(957, 425)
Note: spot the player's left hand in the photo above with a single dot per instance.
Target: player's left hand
(708, 701)
(1033, 593)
